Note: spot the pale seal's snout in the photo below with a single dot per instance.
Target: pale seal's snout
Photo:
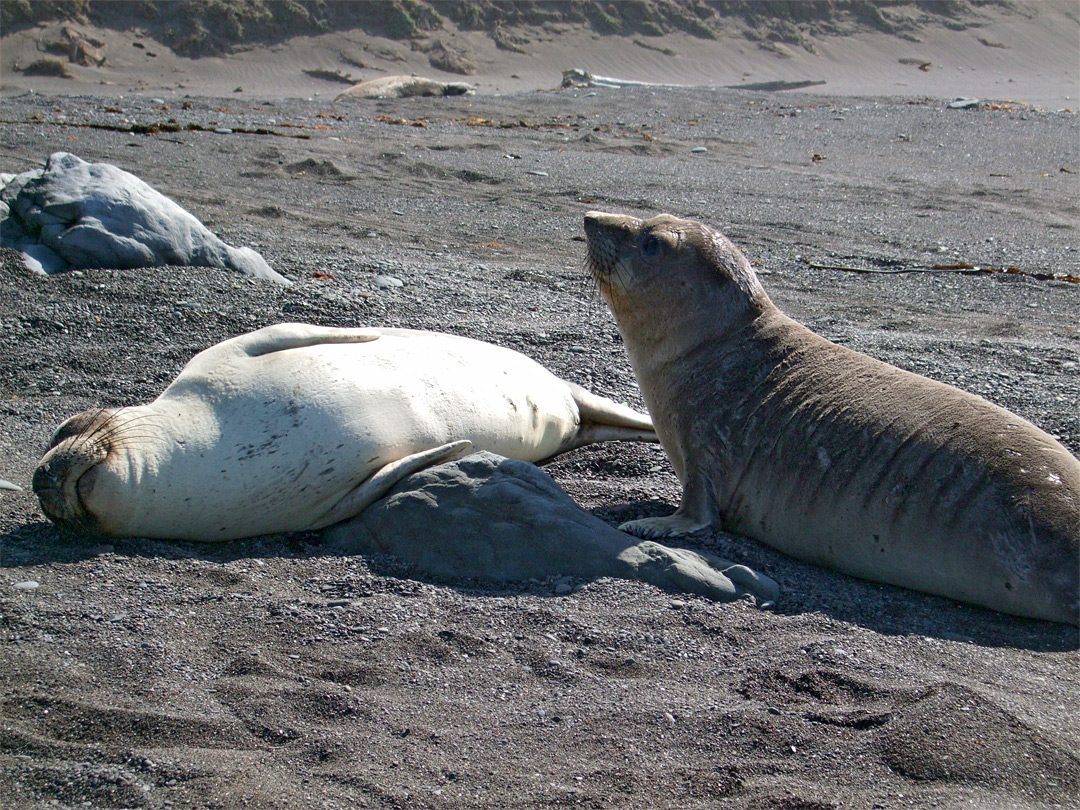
(61, 481)
(65, 476)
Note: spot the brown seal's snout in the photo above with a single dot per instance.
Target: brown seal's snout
(65, 475)
(607, 236)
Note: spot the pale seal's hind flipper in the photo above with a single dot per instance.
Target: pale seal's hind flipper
(10, 487)
(603, 420)
(382, 481)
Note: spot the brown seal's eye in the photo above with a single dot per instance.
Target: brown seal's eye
(650, 247)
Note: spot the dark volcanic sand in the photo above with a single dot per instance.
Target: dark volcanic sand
(277, 673)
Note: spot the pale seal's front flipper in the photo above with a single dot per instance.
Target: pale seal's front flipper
(383, 481)
(678, 569)
(282, 337)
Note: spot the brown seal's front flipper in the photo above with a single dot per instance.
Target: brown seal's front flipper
(696, 512)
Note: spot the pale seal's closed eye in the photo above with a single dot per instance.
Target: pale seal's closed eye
(824, 453)
(295, 427)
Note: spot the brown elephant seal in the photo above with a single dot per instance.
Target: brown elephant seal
(824, 453)
(295, 427)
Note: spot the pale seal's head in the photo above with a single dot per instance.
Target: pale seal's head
(69, 478)
(664, 269)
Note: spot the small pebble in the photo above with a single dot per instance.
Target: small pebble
(223, 131)
(537, 173)
(697, 150)
(388, 282)
(29, 585)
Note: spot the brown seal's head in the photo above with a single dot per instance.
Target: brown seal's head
(664, 268)
(66, 476)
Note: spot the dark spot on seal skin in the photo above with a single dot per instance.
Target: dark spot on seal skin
(1008, 586)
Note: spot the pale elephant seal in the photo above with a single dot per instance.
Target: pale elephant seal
(824, 453)
(295, 427)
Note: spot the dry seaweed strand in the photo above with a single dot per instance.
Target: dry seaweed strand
(964, 269)
(155, 129)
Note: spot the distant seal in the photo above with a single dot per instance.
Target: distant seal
(404, 87)
(824, 453)
(294, 427)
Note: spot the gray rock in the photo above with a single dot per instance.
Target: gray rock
(489, 517)
(72, 214)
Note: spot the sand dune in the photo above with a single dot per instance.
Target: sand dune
(1027, 52)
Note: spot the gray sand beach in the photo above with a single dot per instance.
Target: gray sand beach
(282, 672)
